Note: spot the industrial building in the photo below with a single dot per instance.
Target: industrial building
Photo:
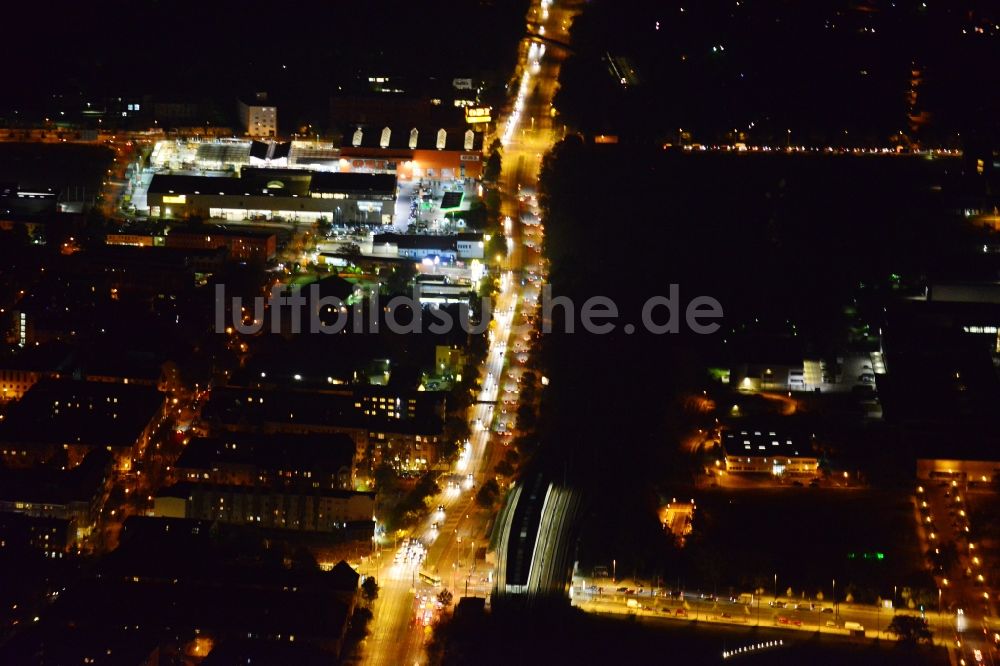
(764, 451)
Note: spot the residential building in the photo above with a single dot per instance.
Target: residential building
(272, 461)
(312, 510)
(52, 536)
(240, 245)
(73, 495)
(78, 417)
(257, 117)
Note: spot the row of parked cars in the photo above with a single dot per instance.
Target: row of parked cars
(816, 608)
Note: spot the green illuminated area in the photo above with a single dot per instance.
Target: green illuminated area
(866, 556)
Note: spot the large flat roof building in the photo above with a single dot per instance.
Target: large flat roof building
(435, 153)
(767, 451)
(282, 194)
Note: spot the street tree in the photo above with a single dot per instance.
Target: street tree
(491, 170)
(369, 589)
(910, 629)
(527, 417)
(398, 281)
(488, 494)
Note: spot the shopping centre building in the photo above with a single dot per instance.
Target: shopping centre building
(276, 194)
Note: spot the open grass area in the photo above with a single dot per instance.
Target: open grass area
(808, 537)
(303, 279)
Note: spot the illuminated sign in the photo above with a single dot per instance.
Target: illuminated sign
(866, 556)
(174, 198)
(478, 114)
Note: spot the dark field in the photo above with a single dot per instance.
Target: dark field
(56, 166)
(784, 243)
(807, 535)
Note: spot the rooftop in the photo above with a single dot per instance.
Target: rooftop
(246, 407)
(757, 442)
(66, 411)
(186, 490)
(52, 485)
(276, 182)
(219, 230)
(270, 452)
(402, 137)
(426, 241)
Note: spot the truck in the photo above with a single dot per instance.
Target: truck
(855, 628)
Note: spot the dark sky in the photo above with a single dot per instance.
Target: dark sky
(180, 47)
(819, 67)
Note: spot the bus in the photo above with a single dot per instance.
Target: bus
(430, 579)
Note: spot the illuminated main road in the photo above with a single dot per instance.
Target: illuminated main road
(397, 632)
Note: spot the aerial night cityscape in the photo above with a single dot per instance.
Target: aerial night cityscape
(482, 332)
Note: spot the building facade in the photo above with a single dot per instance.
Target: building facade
(249, 246)
(319, 510)
(257, 117)
(277, 194)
